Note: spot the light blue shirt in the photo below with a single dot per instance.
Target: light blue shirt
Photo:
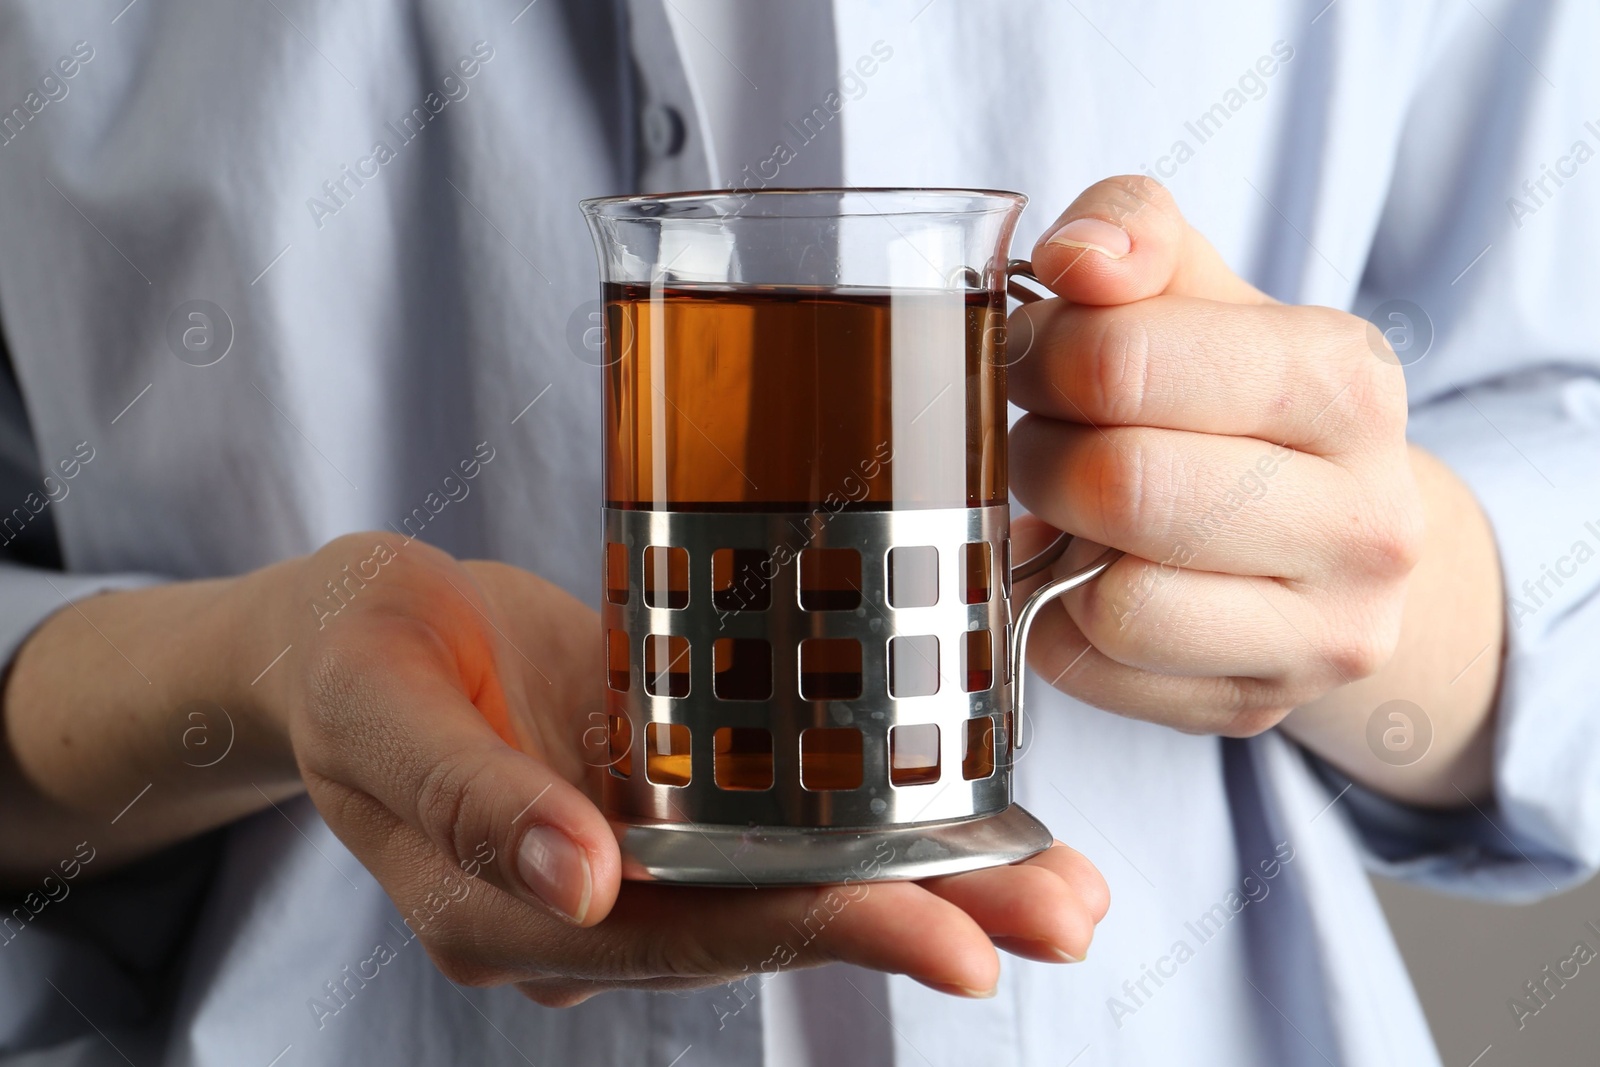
(387, 308)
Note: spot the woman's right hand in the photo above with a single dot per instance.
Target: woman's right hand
(437, 713)
(439, 721)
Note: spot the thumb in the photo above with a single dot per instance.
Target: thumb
(390, 723)
(1124, 239)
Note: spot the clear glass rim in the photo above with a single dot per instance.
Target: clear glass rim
(771, 203)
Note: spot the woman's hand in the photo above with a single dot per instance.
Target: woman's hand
(439, 722)
(1282, 540)
(437, 713)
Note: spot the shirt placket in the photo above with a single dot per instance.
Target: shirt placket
(672, 148)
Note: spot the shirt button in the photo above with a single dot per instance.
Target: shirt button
(664, 132)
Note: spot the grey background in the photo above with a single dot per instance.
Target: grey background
(1469, 959)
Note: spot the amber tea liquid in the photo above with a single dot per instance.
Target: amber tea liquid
(727, 398)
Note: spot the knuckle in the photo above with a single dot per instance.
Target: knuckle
(1249, 695)
(1390, 535)
(1325, 321)
(349, 552)
(1121, 480)
(1329, 359)
(447, 807)
(1127, 195)
(1398, 541)
(1258, 707)
(1386, 391)
(1036, 883)
(410, 559)
(1360, 653)
(666, 955)
(1119, 369)
(1362, 391)
(343, 546)
(1077, 923)
(1351, 393)
(1108, 610)
(370, 571)
(1378, 397)
(1255, 723)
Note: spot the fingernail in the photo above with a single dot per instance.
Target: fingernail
(1094, 235)
(556, 869)
(964, 991)
(1032, 946)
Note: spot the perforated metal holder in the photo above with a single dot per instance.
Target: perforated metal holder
(765, 729)
(734, 761)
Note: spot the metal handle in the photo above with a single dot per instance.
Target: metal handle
(1019, 293)
(1030, 608)
(1044, 559)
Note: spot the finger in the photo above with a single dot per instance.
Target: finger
(1299, 376)
(897, 927)
(679, 937)
(656, 934)
(1032, 909)
(570, 992)
(1226, 504)
(1031, 535)
(475, 933)
(677, 933)
(1232, 706)
(1081, 874)
(1124, 239)
(395, 717)
(554, 663)
(1168, 620)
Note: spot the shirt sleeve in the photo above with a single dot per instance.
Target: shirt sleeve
(32, 595)
(33, 582)
(1486, 264)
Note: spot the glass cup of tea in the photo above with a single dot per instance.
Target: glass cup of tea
(814, 671)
